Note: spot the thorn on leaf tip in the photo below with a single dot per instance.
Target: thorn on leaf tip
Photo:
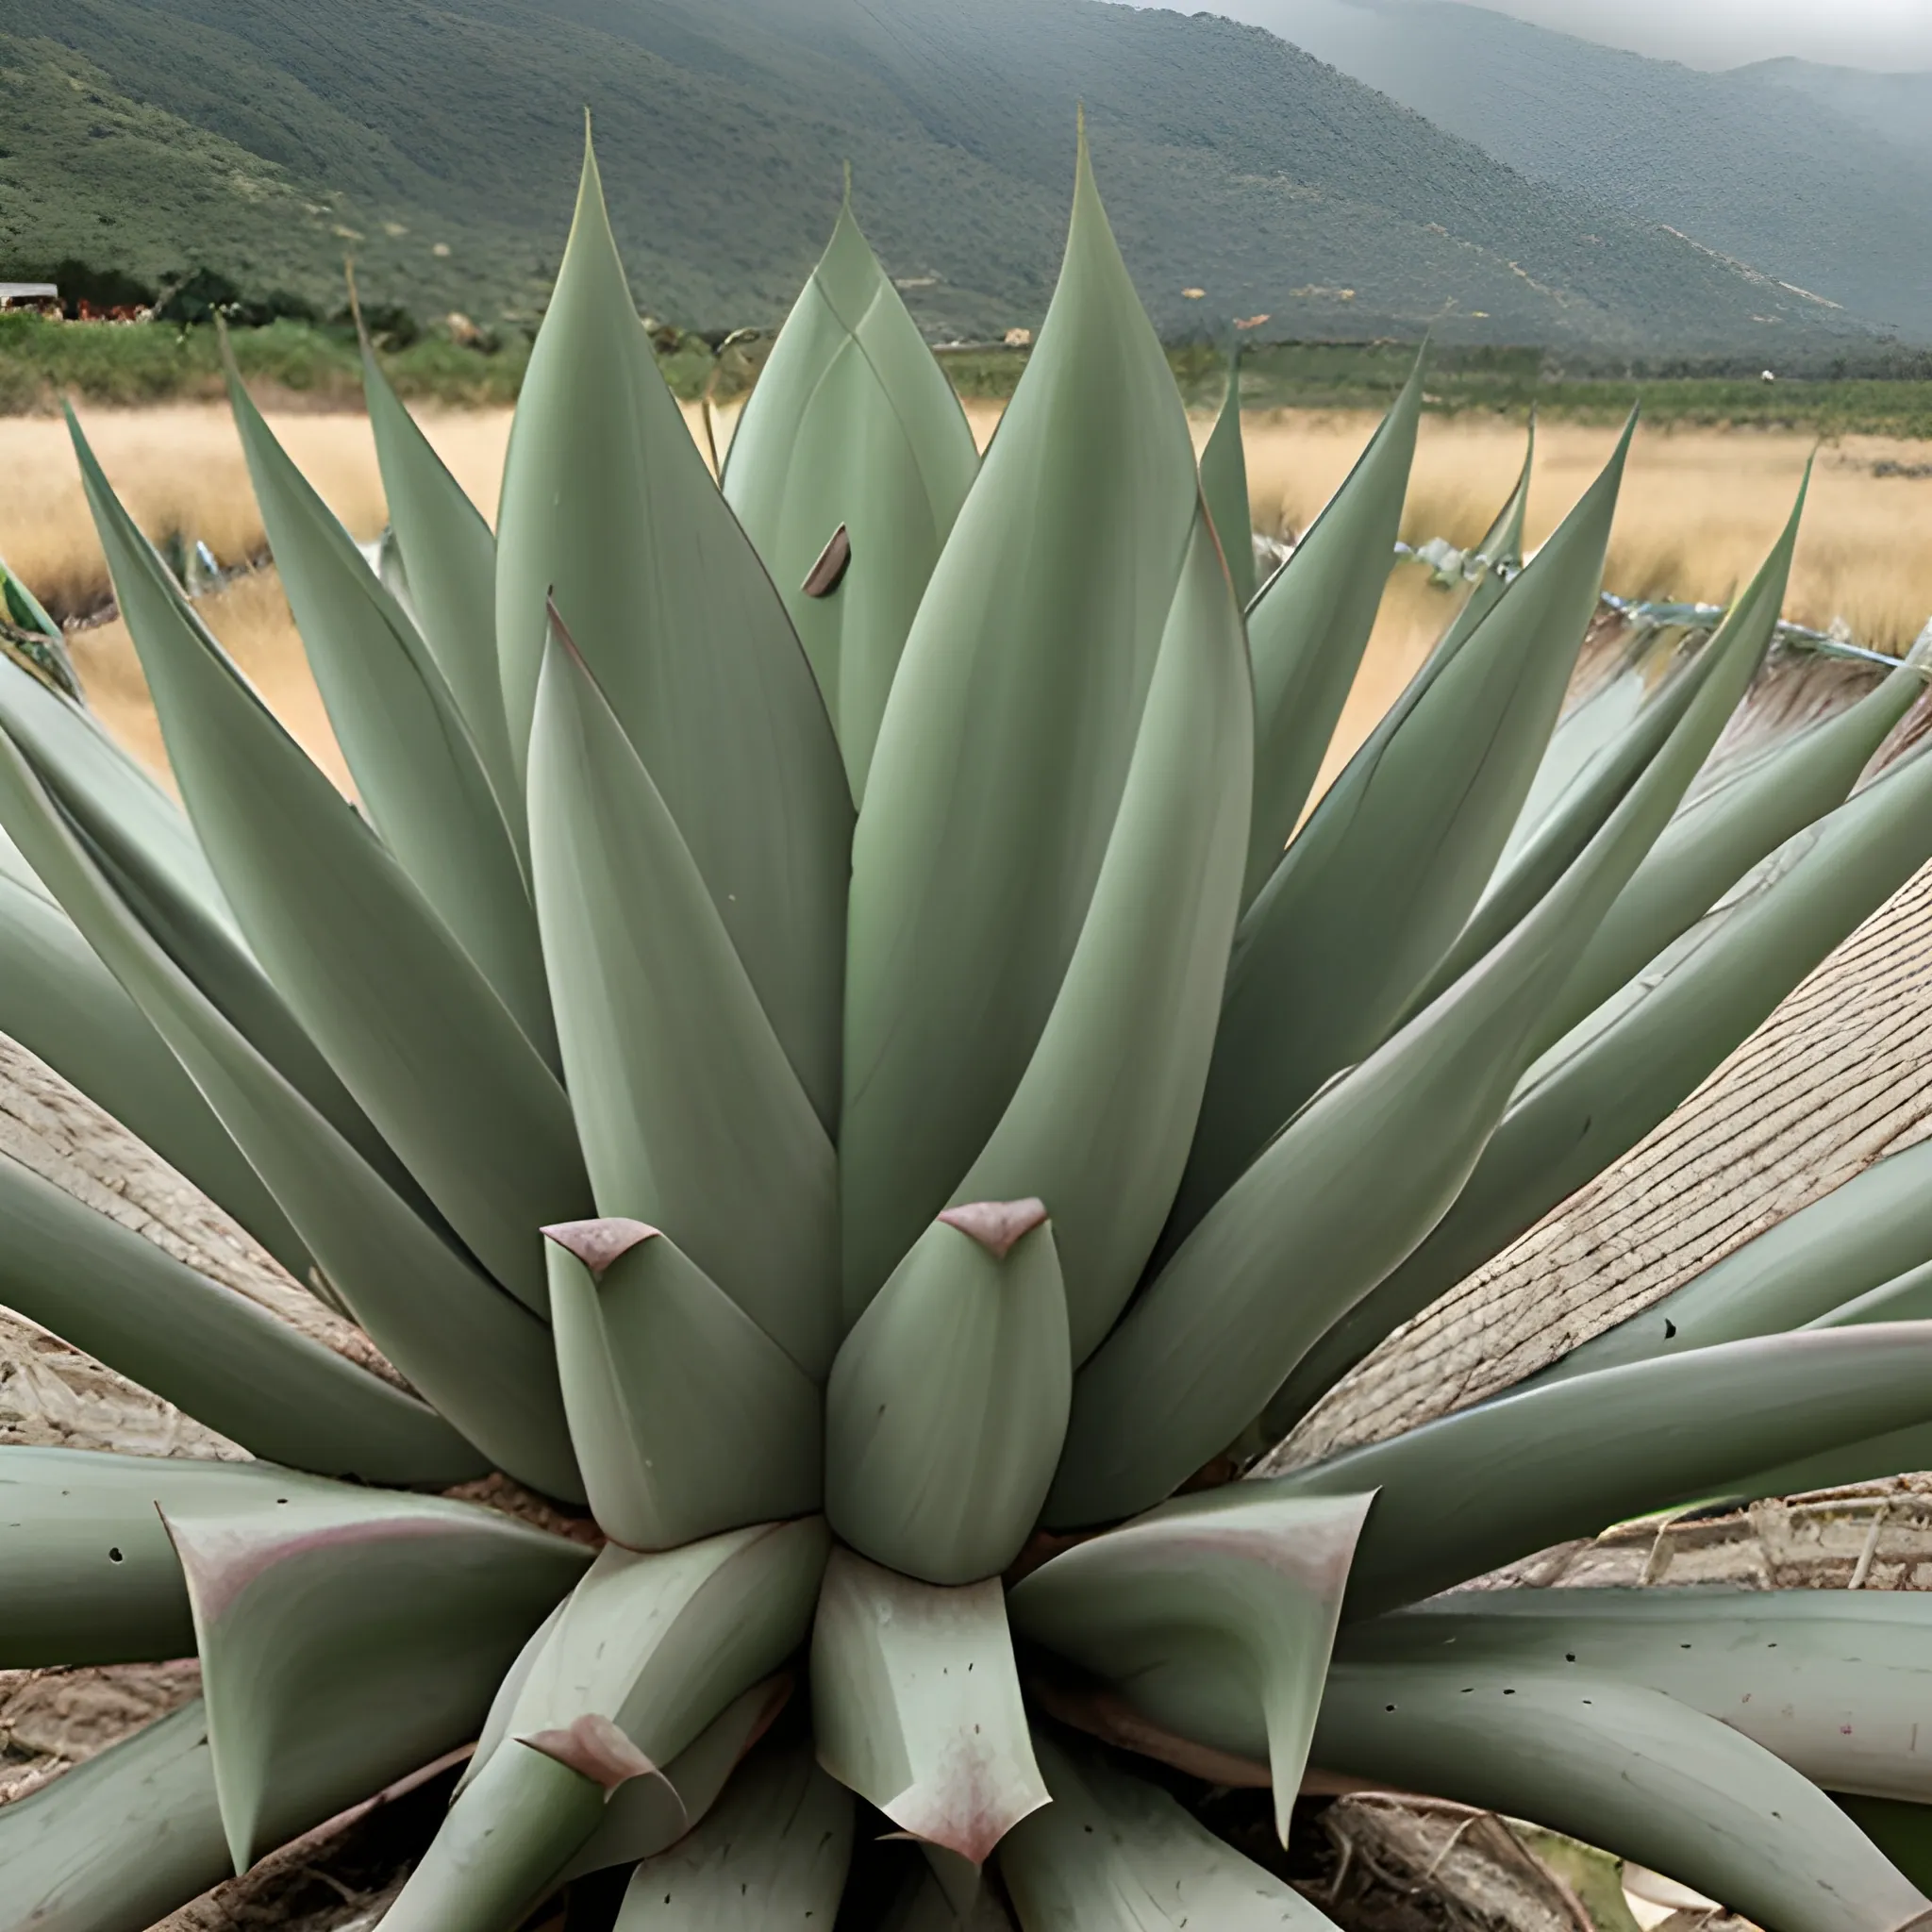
(997, 1224)
(598, 1243)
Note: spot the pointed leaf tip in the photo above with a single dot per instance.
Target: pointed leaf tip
(601, 1242)
(997, 1224)
(594, 1747)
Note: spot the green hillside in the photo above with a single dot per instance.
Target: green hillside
(268, 137)
(1815, 176)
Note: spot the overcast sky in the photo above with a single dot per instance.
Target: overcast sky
(1892, 34)
(1895, 34)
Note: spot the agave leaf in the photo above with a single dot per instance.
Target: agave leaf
(1198, 1354)
(217, 1356)
(480, 1358)
(1111, 1854)
(1731, 660)
(1846, 1252)
(416, 767)
(1601, 1088)
(1831, 1681)
(650, 1814)
(62, 1005)
(775, 1847)
(346, 1639)
(206, 947)
(116, 1843)
(1004, 749)
(1100, 1124)
(689, 1113)
(853, 426)
(916, 1705)
(87, 1573)
(37, 642)
(1312, 622)
(1462, 1494)
(103, 789)
(1628, 1769)
(448, 556)
(688, 1418)
(1212, 1614)
(1224, 485)
(404, 1015)
(1380, 880)
(1653, 668)
(1499, 553)
(660, 1644)
(648, 1652)
(948, 1401)
(1719, 836)
(507, 1839)
(607, 506)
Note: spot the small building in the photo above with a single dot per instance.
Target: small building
(42, 298)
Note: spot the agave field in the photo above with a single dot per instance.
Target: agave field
(830, 1062)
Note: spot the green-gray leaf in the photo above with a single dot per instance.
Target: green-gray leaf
(1381, 878)
(416, 767)
(608, 507)
(1462, 1494)
(402, 1012)
(1004, 749)
(690, 1114)
(217, 1356)
(1224, 485)
(1309, 627)
(1100, 1125)
(853, 426)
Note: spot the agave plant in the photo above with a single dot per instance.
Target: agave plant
(821, 1055)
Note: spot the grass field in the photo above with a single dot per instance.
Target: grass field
(1699, 510)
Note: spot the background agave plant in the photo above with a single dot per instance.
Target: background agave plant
(823, 1044)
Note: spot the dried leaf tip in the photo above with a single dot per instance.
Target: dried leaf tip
(598, 1243)
(594, 1747)
(828, 573)
(997, 1225)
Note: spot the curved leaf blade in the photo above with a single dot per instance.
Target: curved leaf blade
(1111, 1854)
(775, 1847)
(217, 1356)
(1468, 1492)
(1287, 1251)
(1224, 485)
(1307, 629)
(853, 426)
(480, 1358)
(347, 1639)
(688, 1418)
(1830, 1681)
(608, 507)
(1211, 1614)
(916, 1705)
(64, 1007)
(1380, 880)
(403, 1015)
(1004, 749)
(416, 768)
(690, 1114)
(449, 558)
(948, 1401)
(1627, 1769)
(1600, 1090)
(1100, 1124)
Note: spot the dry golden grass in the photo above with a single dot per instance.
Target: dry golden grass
(1699, 510)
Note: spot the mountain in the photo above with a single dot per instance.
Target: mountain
(438, 144)
(1815, 176)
